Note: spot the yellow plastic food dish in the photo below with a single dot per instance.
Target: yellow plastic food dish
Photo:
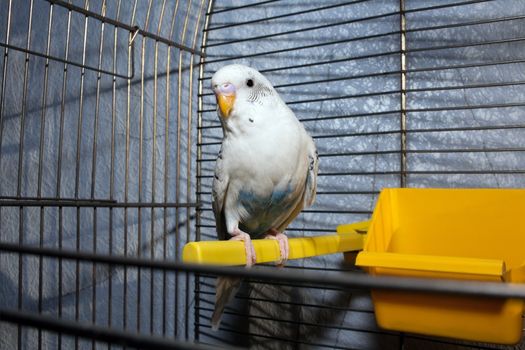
(349, 237)
(464, 234)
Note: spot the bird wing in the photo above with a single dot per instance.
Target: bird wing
(310, 186)
(311, 177)
(219, 190)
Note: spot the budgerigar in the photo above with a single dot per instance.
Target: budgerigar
(266, 170)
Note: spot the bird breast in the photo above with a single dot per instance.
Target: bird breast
(267, 174)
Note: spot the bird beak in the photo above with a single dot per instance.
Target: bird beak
(225, 95)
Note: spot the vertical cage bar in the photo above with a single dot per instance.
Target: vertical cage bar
(131, 46)
(20, 154)
(154, 164)
(179, 136)
(403, 97)
(179, 145)
(166, 171)
(59, 172)
(188, 160)
(4, 81)
(94, 172)
(112, 167)
(177, 194)
(40, 165)
(198, 180)
(77, 169)
(141, 153)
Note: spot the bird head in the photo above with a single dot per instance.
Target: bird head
(235, 85)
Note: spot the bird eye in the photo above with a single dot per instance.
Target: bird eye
(249, 82)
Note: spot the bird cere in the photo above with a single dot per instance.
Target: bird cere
(266, 170)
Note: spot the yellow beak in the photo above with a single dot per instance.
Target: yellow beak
(225, 103)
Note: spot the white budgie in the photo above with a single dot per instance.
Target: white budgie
(266, 171)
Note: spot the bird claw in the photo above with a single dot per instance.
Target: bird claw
(284, 247)
(239, 235)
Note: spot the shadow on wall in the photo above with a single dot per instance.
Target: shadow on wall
(288, 317)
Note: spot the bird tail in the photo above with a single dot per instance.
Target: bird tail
(226, 288)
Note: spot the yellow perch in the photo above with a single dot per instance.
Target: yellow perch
(348, 238)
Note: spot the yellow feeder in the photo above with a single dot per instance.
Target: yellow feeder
(464, 234)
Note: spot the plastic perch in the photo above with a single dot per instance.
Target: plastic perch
(348, 238)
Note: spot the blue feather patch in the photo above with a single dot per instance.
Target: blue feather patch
(263, 211)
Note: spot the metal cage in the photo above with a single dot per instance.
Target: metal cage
(108, 138)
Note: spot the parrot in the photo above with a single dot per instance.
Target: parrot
(265, 172)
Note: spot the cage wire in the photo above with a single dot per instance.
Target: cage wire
(109, 134)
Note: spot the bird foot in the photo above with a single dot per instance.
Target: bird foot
(239, 235)
(284, 247)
